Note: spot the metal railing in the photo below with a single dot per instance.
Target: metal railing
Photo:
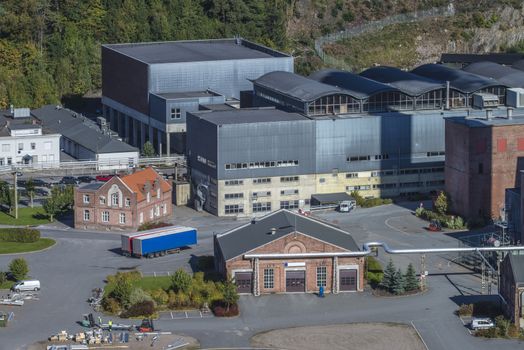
(374, 26)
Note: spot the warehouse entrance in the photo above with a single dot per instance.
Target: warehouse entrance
(296, 281)
(243, 281)
(348, 280)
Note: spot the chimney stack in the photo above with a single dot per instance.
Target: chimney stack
(510, 112)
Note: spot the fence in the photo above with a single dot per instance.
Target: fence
(374, 26)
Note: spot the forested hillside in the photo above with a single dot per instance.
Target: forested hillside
(50, 49)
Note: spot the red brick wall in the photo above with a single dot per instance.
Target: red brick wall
(293, 242)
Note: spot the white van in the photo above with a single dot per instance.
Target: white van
(482, 323)
(346, 206)
(23, 286)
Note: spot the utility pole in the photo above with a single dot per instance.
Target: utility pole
(15, 175)
(423, 271)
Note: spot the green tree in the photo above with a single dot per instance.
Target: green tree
(441, 203)
(181, 281)
(19, 268)
(52, 205)
(123, 290)
(148, 150)
(30, 189)
(411, 279)
(398, 283)
(230, 293)
(3, 277)
(388, 277)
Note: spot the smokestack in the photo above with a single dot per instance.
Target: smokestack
(447, 94)
(509, 112)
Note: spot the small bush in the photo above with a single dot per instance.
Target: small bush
(220, 310)
(130, 276)
(513, 331)
(142, 309)
(160, 296)
(19, 268)
(369, 202)
(111, 305)
(22, 235)
(487, 333)
(3, 277)
(171, 301)
(138, 296)
(465, 310)
(502, 326)
(181, 281)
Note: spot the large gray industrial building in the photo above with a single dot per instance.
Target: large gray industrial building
(147, 88)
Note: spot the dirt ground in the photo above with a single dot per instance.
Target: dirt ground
(369, 336)
(161, 343)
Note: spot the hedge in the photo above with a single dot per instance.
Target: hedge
(21, 235)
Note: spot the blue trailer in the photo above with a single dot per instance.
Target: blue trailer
(158, 242)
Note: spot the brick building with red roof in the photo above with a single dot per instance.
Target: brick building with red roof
(123, 202)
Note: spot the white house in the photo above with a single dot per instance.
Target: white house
(85, 140)
(23, 141)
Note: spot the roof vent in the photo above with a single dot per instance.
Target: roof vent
(509, 113)
(273, 231)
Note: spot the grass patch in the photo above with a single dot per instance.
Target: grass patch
(151, 283)
(6, 285)
(17, 247)
(26, 216)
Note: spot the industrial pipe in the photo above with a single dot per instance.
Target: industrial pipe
(369, 245)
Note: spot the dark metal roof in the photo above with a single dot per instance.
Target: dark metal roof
(517, 266)
(248, 115)
(458, 79)
(296, 86)
(356, 85)
(257, 233)
(331, 198)
(92, 186)
(194, 50)
(79, 130)
(408, 83)
(508, 76)
(518, 64)
(501, 58)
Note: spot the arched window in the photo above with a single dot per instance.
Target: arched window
(114, 199)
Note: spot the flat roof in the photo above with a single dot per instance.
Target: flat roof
(248, 115)
(478, 120)
(194, 51)
(188, 94)
(329, 198)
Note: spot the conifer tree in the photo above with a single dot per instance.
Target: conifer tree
(411, 279)
(389, 275)
(398, 283)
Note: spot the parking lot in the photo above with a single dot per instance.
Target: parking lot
(80, 261)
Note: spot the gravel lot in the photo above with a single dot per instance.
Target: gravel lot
(369, 336)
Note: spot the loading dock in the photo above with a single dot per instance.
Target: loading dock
(295, 281)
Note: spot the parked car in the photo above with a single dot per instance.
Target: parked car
(68, 180)
(21, 183)
(482, 323)
(26, 286)
(104, 178)
(40, 183)
(86, 179)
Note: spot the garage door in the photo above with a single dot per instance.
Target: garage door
(348, 280)
(295, 281)
(243, 281)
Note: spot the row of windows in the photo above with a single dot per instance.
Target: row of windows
(259, 207)
(104, 216)
(289, 204)
(262, 194)
(233, 209)
(234, 182)
(262, 180)
(289, 179)
(6, 147)
(269, 277)
(367, 157)
(233, 195)
(288, 192)
(436, 154)
(259, 165)
(394, 185)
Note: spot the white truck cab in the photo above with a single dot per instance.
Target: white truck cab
(24, 286)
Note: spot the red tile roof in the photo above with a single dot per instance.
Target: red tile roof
(138, 179)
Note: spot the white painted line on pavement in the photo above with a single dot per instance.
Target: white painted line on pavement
(394, 228)
(420, 336)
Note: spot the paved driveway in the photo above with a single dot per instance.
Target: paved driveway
(81, 260)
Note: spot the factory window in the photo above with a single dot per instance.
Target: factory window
(289, 179)
(176, 113)
(322, 180)
(87, 215)
(502, 145)
(2, 161)
(258, 207)
(261, 165)
(105, 216)
(114, 199)
(262, 194)
(409, 171)
(357, 158)
(288, 192)
(233, 209)
(334, 104)
(411, 184)
(263, 180)
(358, 188)
(481, 168)
(381, 156)
(234, 182)
(21, 146)
(128, 202)
(86, 199)
(387, 101)
(430, 100)
(122, 218)
(6, 147)
(102, 200)
(382, 173)
(384, 186)
(351, 175)
(269, 278)
(457, 99)
(9, 160)
(141, 217)
(233, 195)
(321, 276)
(33, 145)
(435, 154)
(289, 204)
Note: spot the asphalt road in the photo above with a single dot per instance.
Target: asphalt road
(81, 260)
